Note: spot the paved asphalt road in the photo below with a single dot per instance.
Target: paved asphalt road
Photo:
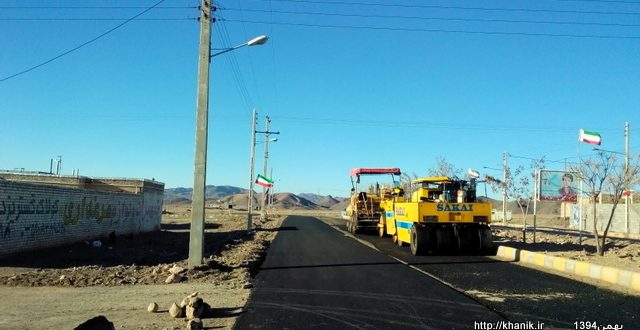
(315, 276)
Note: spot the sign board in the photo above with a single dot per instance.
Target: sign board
(558, 186)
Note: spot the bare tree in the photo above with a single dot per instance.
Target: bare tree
(444, 168)
(518, 184)
(600, 172)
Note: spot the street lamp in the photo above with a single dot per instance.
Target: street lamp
(196, 231)
(257, 41)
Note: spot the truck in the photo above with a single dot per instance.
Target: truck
(439, 215)
(364, 211)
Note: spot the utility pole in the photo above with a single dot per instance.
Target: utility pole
(626, 177)
(504, 186)
(196, 233)
(263, 210)
(251, 165)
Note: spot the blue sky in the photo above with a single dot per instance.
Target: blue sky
(347, 83)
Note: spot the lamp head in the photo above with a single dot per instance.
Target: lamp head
(261, 40)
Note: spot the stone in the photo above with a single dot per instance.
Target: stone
(97, 323)
(175, 311)
(176, 269)
(152, 308)
(194, 324)
(173, 278)
(194, 308)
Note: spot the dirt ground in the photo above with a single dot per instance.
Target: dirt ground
(122, 276)
(68, 285)
(551, 238)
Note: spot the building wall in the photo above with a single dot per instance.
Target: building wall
(42, 215)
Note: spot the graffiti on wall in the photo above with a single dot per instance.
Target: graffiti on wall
(17, 213)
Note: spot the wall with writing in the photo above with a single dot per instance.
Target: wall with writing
(35, 216)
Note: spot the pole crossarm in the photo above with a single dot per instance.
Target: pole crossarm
(267, 132)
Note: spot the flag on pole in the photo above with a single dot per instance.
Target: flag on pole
(264, 181)
(590, 137)
(473, 174)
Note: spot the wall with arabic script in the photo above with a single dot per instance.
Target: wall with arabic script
(35, 216)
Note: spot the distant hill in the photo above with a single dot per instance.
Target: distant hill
(327, 201)
(311, 197)
(291, 201)
(211, 192)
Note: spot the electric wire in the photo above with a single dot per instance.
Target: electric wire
(251, 63)
(384, 28)
(83, 44)
(94, 7)
(234, 66)
(433, 18)
(529, 10)
(274, 63)
(99, 19)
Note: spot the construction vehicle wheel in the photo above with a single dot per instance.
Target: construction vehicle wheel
(486, 240)
(445, 240)
(418, 241)
(382, 225)
(468, 240)
(354, 224)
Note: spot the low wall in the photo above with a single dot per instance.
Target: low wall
(42, 215)
(618, 223)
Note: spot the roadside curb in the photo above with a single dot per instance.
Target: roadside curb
(625, 278)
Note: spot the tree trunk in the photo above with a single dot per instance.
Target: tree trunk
(606, 229)
(595, 228)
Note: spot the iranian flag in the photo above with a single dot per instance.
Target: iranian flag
(473, 174)
(590, 137)
(264, 181)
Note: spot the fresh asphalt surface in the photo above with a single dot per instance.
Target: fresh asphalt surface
(315, 276)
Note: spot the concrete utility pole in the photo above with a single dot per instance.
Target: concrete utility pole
(504, 191)
(263, 210)
(196, 233)
(626, 177)
(251, 165)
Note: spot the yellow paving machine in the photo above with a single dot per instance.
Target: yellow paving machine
(442, 215)
(364, 211)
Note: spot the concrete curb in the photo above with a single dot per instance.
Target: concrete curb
(612, 275)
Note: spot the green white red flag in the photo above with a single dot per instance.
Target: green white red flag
(473, 173)
(590, 137)
(264, 181)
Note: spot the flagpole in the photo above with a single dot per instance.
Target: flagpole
(581, 225)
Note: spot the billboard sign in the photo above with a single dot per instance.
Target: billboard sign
(558, 186)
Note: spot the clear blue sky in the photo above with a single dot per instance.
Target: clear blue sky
(347, 83)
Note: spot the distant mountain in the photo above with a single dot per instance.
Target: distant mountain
(311, 197)
(211, 192)
(291, 201)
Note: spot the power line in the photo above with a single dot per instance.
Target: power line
(99, 19)
(529, 10)
(82, 45)
(433, 18)
(235, 67)
(382, 28)
(406, 124)
(94, 7)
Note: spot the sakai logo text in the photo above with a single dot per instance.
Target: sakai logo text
(454, 207)
(400, 211)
